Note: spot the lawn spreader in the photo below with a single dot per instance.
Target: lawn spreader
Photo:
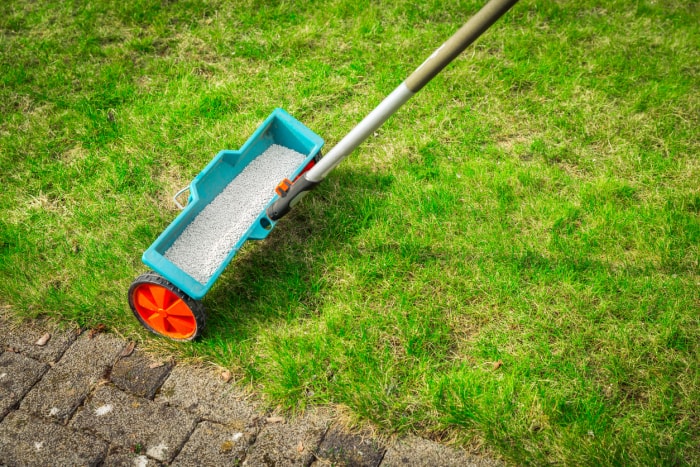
(240, 195)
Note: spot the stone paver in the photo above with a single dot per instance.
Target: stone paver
(67, 384)
(213, 444)
(418, 452)
(288, 443)
(23, 339)
(81, 403)
(140, 374)
(135, 423)
(202, 391)
(120, 457)
(17, 376)
(342, 448)
(29, 440)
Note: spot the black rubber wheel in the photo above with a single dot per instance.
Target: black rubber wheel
(164, 309)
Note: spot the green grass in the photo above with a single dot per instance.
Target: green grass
(538, 204)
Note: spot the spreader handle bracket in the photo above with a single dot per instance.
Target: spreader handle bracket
(292, 195)
(283, 187)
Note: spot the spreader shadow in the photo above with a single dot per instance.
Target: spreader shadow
(280, 279)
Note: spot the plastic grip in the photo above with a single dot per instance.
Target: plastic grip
(284, 203)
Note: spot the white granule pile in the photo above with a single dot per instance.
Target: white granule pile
(204, 244)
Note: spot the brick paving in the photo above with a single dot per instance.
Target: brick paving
(18, 374)
(72, 398)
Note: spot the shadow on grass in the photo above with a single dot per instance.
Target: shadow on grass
(281, 279)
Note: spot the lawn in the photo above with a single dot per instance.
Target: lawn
(511, 263)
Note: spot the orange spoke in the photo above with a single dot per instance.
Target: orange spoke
(157, 321)
(179, 308)
(144, 300)
(182, 325)
(170, 298)
(168, 328)
(181, 320)
(146, 313)
(159, 294)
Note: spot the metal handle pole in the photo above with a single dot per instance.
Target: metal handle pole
(456, 44)
(447, 52)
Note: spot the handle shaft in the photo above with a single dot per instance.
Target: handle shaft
(447, 52)
(456, 44)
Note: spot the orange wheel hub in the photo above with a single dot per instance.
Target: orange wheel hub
(164, 311)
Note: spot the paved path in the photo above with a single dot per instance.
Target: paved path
(80, 398)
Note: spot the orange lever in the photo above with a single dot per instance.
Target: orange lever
(283, 188)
